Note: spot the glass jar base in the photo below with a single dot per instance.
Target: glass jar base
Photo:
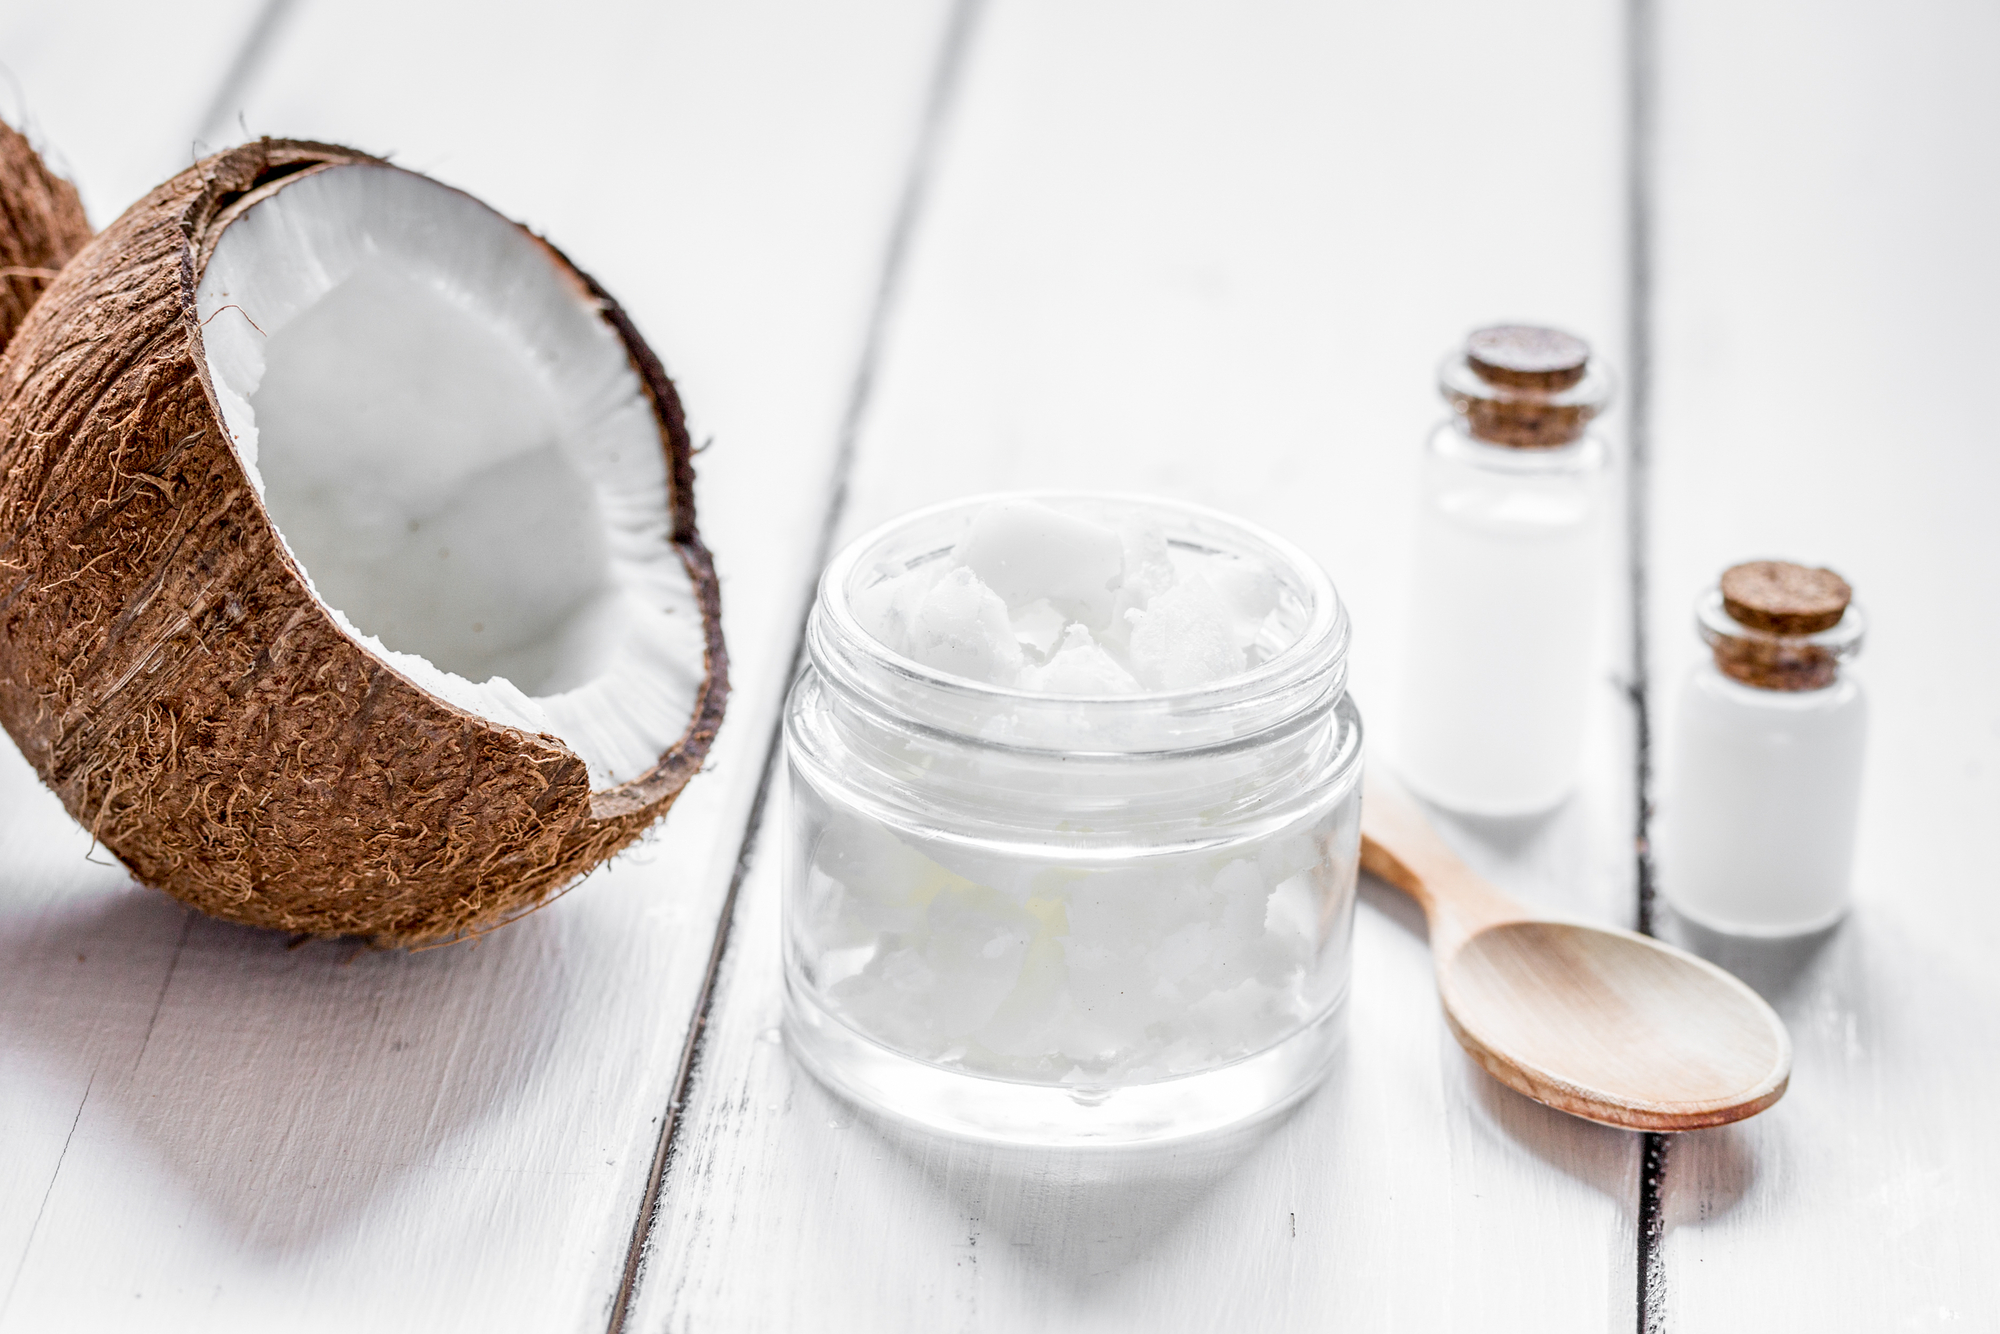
(1008, 1112)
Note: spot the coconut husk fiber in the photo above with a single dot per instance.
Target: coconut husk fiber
(168, 672)
(41, 226)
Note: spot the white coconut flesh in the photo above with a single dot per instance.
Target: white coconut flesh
(457, 452)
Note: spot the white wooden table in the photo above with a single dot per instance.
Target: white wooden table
(899, 250)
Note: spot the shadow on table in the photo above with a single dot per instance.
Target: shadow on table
(1512, 837)
(1775, 968)
(1081, 1217)
(1710, 1172)
(1603, 1158)
(1886, 1017)
(285, 1089)
(1548, 861)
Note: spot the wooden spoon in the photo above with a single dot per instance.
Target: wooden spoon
(1604, 1024)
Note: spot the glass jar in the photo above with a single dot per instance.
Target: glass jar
(1058, 919)
(1511, 556)
(1763, 791)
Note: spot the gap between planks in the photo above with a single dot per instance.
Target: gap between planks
(1641, 92)
(947, 76)
(258, 42)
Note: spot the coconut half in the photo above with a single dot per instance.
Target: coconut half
(41, 225)
(349, 578)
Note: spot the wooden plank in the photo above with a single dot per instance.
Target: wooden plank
(114, 91)
(1214, 252)
(224, 1133)
(1828, 189)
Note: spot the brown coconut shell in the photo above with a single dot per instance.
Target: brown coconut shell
(41, 226)
(169, 674)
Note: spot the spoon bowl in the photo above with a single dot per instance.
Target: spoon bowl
(1614, 1027)
(1604, 1024)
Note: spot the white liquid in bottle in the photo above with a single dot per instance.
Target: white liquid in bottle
(1763, 791)
(1510, 571)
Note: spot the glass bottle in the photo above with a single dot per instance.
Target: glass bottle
(1763, 789)
(1510, 567)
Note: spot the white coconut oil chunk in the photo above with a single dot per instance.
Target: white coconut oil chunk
(1037, 600)
(458, 453)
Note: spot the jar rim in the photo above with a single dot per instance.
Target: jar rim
(1291, 680)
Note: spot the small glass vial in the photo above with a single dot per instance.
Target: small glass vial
(1511, 559)
(1764, 784)
(1070, 919)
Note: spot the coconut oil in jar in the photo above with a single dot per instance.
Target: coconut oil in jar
(1509, 580)
(1763, 792)
(1074, 821)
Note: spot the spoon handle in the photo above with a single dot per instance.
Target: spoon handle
(1399, 845)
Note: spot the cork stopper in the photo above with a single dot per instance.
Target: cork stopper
(1526, 357)
(1781, 598)
(1780, 626)
(1524, 386)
